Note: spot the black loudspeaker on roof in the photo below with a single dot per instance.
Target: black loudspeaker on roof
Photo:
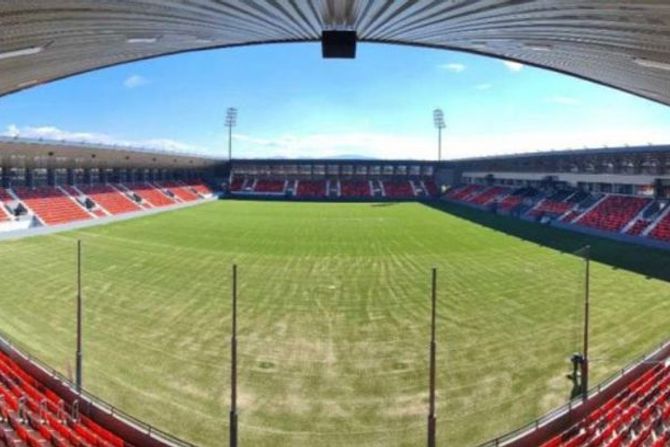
(338, 44)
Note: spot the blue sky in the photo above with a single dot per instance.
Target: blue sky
(293, 103)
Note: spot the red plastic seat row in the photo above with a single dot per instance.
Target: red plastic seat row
(45, 412)
(550, 207)
(199, 187)
(662, 230)
(638, 227)
(269, 186)
(355, 188)
(51, 205)
(4, 195)
(400, 189)
(614, 212)
(431, 187)
(237, 184)
(488, 195)
(184, 193)
(311, 188)
(463, 192)
(510, 202)
(628, 419)
(151, 194)
(111, 199)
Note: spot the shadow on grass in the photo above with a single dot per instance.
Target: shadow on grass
(652, 262)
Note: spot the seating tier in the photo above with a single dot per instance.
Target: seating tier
(51, 205)
(311, 188)
(111, 199)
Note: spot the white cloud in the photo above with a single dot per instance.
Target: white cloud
(453, 67)
(471, 145)
(485, 86)
(513, 66)
(375, 144)
(369, 144)
(423, 147)
(57, 134)
(564, 100)
(135, 81)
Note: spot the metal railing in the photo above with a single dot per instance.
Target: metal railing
(573, 403)
(141, 426)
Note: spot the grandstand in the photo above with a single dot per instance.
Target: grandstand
(638, 415)
(621, 202)
(334, 179)
(34, 195)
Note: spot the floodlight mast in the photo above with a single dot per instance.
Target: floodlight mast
(231, 121)
(438, 120)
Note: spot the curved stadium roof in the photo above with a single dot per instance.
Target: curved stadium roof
(624, 44)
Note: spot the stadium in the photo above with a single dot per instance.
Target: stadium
(170, 298)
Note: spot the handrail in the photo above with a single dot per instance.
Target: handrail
(573, 403)
(150, 430)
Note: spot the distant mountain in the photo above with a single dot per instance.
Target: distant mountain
(334, 157)
(352, 157)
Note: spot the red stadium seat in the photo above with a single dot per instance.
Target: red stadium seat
(269, 186)
(110, 198)
(43, 425)
(662, 230)
(151, 194)
(184, 193)
(614, 212)
(52, 205)
(355, 188)
(311, 188)
(398, 189)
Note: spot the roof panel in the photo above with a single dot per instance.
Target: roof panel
(591, 39)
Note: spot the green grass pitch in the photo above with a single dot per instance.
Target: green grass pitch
(334, 314)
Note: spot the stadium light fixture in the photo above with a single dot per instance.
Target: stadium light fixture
(648, 63)
(28, 83)
(438, 120)
(22, 52)
(142, 39)
(538, 46)
(231, 121)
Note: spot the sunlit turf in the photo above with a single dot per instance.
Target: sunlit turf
(334, 313)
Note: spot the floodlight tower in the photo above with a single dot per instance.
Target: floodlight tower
(231, 121)
(438, 119)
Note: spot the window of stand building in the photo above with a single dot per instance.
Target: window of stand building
(40, 177)
(333, 169)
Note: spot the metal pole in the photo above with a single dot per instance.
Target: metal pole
(585, 364)
(78, 367)
(230, 144)
(431, 411)
(439, 144)
(233, 369)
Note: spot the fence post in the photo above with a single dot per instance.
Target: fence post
(587, 293)
(431, 411)
(79, 355)
(233, 369)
